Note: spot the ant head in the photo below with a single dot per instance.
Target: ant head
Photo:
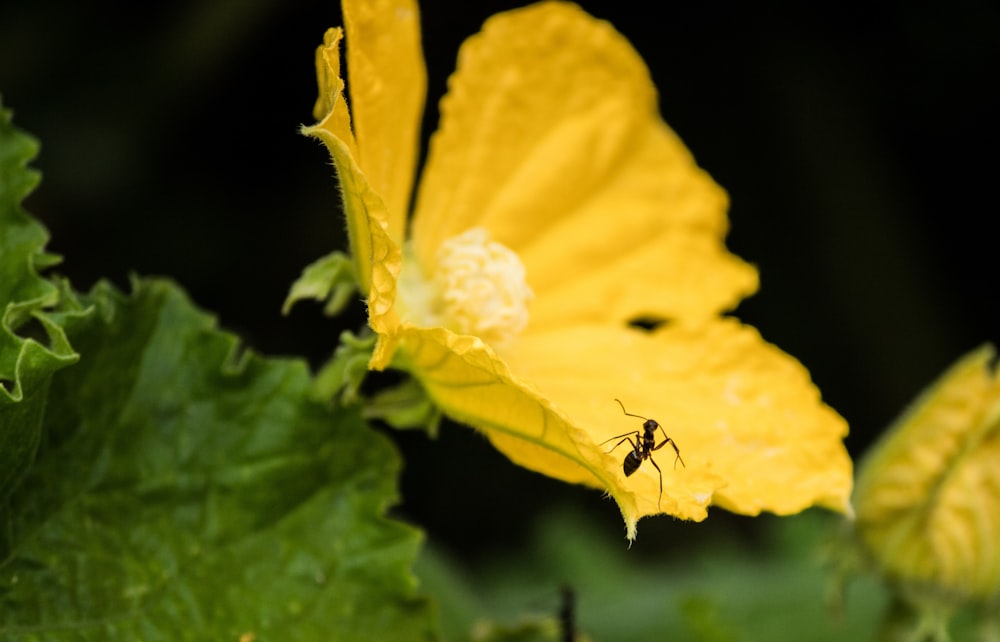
(650, 426)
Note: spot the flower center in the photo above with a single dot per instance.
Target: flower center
(479, 288)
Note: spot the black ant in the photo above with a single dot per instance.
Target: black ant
(642, 448)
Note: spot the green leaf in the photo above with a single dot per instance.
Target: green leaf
(32, 347)
(186, 489)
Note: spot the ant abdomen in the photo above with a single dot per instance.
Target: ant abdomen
(631, 464)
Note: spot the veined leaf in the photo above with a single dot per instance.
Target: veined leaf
(186, 489)
(31, 346)
(172, 486)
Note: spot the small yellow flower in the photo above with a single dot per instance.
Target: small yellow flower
(928, 495)
(555, 207)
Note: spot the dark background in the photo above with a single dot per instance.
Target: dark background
(858, 146)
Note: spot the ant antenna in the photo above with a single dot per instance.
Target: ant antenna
(629, 413)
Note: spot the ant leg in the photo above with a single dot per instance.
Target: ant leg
(628, 439)
(660, 473)
(670, 441)
(627, 436)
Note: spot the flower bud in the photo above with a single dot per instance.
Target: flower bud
(927, 498)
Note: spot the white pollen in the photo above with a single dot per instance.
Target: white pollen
(481, 287)
(478, 287)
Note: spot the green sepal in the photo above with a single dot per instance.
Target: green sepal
(341, 377)
(405, 406)
(330, 279)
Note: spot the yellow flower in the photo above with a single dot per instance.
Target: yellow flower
(928, 495)
(555, 207)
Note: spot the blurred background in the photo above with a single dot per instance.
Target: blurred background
(857, 144)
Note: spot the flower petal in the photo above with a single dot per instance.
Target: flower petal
(533, 81)
(928, 496)
(377, 258)
(471, 385)
(551, 140)
(750, 426)
(736, 407)
(388, 85)
(648, 243)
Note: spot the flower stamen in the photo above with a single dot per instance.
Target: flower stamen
(480, 288)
